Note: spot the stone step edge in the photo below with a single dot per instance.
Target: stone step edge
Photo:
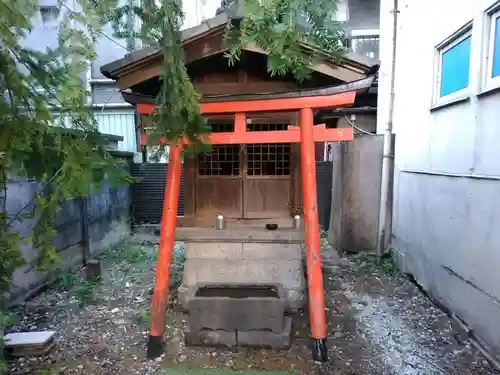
(231, 339)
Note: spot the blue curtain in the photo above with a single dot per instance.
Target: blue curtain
(455, 68)
(496, 50)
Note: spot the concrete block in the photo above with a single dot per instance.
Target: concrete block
(214, 250)
(264, 251)
(286, 272)
(267, 339)
(250, 250)
(207, 337)
(241, 313)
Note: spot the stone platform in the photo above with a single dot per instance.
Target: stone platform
(237, 263)
(238, 290)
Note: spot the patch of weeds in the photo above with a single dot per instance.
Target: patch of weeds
(323, 238)
(136, 254)
(6, 319)
(65, 280)
(84, 292)
(365, 257)
(386, 265)
(178, 259)
(129, 254)
(143, 318)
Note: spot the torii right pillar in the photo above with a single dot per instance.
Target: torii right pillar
(317, 314)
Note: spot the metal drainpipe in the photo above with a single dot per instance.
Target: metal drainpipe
(385, 227)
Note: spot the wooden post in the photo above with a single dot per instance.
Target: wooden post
(93, 270)
(165, 250)
(84, 217)
(313, 252)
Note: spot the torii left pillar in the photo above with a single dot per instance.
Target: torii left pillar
(165, 252)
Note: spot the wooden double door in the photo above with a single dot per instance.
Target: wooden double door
(245, 181)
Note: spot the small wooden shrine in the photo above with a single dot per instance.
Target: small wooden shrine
(263, 157)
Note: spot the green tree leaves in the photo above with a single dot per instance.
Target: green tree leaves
(177, 114)
(43, 90)
(295, 34)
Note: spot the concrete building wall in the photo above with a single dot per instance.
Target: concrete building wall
(196, 11)
(113, 115)
(119, 122)
(363, 15)
(356, 15)
(447, 175)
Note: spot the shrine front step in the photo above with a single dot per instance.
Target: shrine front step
(238, 315)
(244, 263)
(237, 338)
(237, 308)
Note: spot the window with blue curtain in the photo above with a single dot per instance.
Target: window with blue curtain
(496, 47)
(455, 63)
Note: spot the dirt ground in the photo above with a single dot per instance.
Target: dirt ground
(378, 324)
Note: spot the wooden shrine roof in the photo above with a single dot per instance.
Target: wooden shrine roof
(361, 85)
(206, 40)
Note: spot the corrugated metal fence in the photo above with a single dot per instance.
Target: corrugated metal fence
(147, 195)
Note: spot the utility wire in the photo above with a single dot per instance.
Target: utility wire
(357, 128)
(100, 32)
(19, 213)
(71, 10)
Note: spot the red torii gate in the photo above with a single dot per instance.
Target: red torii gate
(306, 134)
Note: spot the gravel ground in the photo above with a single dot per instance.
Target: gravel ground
(378, 324)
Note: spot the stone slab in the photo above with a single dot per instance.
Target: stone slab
(257, 338)
(259, 251)
(267, 339)
(32, 351)
(24, 339)
(249, 250)
(214, 250)
(286, 272)
(200, 234)
(230, 314)
(206, 337)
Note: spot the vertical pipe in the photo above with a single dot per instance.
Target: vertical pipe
(165, 250)
(313, 252)
(384, 225)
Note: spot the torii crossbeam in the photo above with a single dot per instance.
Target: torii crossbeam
(306, 134)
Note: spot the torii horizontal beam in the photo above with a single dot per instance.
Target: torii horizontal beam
(292, 135)
(337, 100)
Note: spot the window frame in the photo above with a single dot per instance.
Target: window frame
(490, 82)
(449, 43)
(51, 10)
(357, 35)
